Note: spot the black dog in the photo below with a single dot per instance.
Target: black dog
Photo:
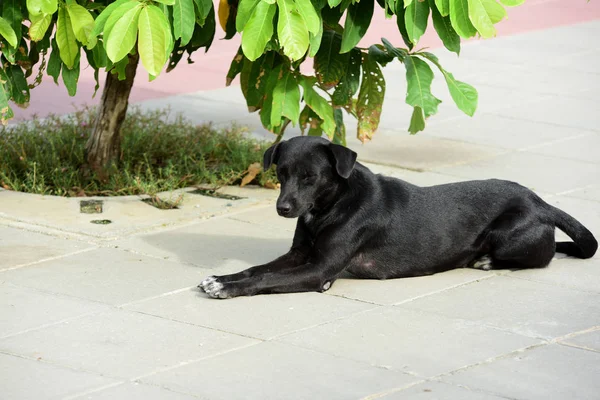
(379, 227)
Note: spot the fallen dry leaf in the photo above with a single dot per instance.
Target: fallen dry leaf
(253, 170)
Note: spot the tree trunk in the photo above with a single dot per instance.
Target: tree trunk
(104, 145)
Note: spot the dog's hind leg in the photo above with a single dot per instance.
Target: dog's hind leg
(484, 263)
(523, 247)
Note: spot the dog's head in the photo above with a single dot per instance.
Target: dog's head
(310, 170)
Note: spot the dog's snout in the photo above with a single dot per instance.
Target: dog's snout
(284, 208)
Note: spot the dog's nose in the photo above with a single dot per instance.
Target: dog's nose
(284, 208)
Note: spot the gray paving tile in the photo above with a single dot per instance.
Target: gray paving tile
(394, 291)
(439, 391)
(538, 172)
(559, 110)
(568, 272)
(107, 275)
(528, 308)
(23, 308)
(257, 316)
(414, 177)
(548, 373)
(407, 340)
(583, 147)
(495, 130)
(122, 344)
(19, 247)
(266, 218)
(135, 391)
(215, 243)
(591, 192)
(587, 340)
(420, 152)
(27, 379)
(273, 370)
(585, 211)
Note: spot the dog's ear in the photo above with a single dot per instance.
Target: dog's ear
(271, 156)
(344, 159)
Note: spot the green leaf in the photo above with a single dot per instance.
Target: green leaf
(443, 6)
(244, 12)
(120, 68)
(54, 64)
(459, 17)
(183, 20)
(254, 80)
(358, 20)
(152, 39)
(123, 35)
(310, 16)
(407, 3)
(348, 86)
(37, 7)
(419, 77)
(6, 113)
(101, 20)
(464, 95)
(65, 38)
(19, 86)
(400, 22)
(417, 121)
(315, 41)
(167, 2)
(291, 30)
(7, 32)
(339, 137)
(265, 112)
(236, 66)
(370, 99)
(83, 22)
(512, 3)
(319, 105)
(310, 118)
(259, 30)
(329, 64)
(415, 18)
(483, 13)
(286, 99)
(39, 26)
(443, 27)
(333, 3)
(379, 54)
(11, 12)
(70, 78)
(204, 7)
(397, 52)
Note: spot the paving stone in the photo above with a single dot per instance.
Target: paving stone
(567, 272)
(414, 177)
(273, 370)
(499, 131)
(20, 247)
(393, 291)
(408, 340)
(23, 308)
(266, 218)
(27, 379)
(122, 344)
(420, 152)
(439, 391)
(107, 275)
(213, 243)
(535, 171)
(587, 340)
(591, 192)
(257, 316)
(559, 110)
(547, 373)
(583, 147)
(526, 307)
(135, 391)
(585, 211)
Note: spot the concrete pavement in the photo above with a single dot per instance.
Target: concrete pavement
(111, 311)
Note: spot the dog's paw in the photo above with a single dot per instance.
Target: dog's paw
(484, 263)
(212, 287)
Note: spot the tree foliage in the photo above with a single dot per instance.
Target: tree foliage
(51, 37)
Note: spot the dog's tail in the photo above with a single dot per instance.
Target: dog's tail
(584, 244)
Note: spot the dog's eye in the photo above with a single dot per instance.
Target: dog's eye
(309, 178)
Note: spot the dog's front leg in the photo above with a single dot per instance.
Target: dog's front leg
(323, 266)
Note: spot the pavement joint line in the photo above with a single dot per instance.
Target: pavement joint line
(42, 229)
(556, 141)
(474, 280)
(555, 284)
(578, 346)
(542, 122)
(140, 378)
(94, 390)
(568, 192)
(172, 292)
(387, 392)
(43, 260)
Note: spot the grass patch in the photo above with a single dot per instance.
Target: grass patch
(159, 153)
